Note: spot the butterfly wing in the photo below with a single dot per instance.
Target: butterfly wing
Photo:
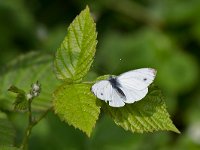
(138, 79)
(104, 91)
(116, 100)
(135, 83)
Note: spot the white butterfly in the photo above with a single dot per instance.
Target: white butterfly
(128, 87)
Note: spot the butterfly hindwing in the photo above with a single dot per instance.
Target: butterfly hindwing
(117, 100)
(133, 95)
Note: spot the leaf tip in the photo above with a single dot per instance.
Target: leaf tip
(174, 129)
(87, 8)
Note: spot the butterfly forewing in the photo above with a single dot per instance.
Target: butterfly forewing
(103, 90)
(138, 79)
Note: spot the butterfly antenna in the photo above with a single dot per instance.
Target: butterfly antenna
(99, 68)
(116, 66)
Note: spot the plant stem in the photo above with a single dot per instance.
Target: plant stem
(29, 128)
(31, 124)
(29, 112)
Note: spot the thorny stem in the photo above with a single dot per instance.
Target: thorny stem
(31, 124)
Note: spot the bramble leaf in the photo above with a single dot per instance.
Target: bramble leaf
(24, 71)
(76, 53)
(147, 115)
(21, 102)
(7, 131)
(76, 105)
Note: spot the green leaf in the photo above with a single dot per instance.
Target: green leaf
(7, 131)
(76, 105)
(76, 53)
(147, 115)
(24, 71)
(21, 102)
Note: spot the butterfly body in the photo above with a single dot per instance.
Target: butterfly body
(116, 86)
(128, 87)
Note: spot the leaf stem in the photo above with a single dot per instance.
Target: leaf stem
(89, 82)
(31, 123)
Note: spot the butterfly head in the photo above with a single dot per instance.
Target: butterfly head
(111, 77)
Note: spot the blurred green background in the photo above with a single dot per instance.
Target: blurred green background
(131, 34)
